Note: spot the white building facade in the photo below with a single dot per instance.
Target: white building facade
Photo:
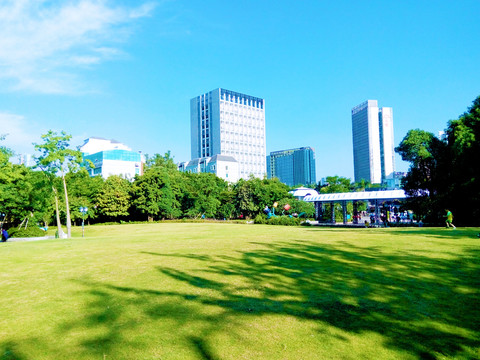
(110, 157)
(387, 152)
(372, 135)
(228, 123)
(225, 167)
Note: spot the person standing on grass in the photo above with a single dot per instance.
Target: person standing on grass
(449, 219)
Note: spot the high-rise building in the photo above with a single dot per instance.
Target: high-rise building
(110, 157)
(292, 167)
(372, 134)
(228, 123)
(23, 159)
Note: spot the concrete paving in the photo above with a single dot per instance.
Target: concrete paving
(30, 239)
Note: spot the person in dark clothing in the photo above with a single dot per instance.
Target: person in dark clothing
(4, 235)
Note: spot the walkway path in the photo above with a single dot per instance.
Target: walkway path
(30, 239)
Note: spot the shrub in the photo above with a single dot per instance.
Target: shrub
(283, 220)
(28, 232)
(260, 219)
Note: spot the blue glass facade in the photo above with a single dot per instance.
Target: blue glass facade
(293, 167)
(120, 157)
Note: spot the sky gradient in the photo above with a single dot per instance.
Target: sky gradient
(126, 70)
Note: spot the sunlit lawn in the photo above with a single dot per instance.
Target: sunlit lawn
(233, 291)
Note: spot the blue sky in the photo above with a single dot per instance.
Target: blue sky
(127, 69)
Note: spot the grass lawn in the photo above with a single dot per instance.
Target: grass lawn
(230, 291)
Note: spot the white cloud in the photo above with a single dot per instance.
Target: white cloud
(42, 42)
(19, 135)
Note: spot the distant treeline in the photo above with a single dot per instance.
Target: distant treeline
(162, 192)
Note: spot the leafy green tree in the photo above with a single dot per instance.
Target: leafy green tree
(6, 169)
(461, 190)
(307, 209)
(83, 190)
(202, 194)
(56, 157)
(445, 172)
(158, 192)
(153, 194)
(254, 194)
(159, 161)
(335, 184)
(245, 198)
(17, 193)
(41, 200)
(22, 192)
(424, 152)
(113, 199)
(227, 209)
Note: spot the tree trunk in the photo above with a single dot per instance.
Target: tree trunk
(67, 209)
(61, 234)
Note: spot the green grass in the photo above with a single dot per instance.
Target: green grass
(231, 291)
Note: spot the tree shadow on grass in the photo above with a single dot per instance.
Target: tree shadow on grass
(434, 233)
(8, 352)
(203, 348)
(423, 305)
(427, 306)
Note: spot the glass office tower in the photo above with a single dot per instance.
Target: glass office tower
(228, 123)
(372, 135)
(293, 167)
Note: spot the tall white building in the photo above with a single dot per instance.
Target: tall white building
(387, 152)
(228, 123)
(372, 134)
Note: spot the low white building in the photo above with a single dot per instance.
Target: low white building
(110, 157)
(225, 167)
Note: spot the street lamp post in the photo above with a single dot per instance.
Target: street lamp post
(83, 210)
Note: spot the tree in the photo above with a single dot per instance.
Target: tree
(22, 191)
(445, 172)
(202, 194)
(159, 161)
(57, 158)
(423, 150)
(336, 184)
(253, 195)
(5, 174)
(83, 190)
(21, 196)
(158, 192)
(227, 209)
(153, 195)
(462, 187)
(245, 199)
(113, 199)
(307, 209)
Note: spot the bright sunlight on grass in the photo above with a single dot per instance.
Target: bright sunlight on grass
(232, 291)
